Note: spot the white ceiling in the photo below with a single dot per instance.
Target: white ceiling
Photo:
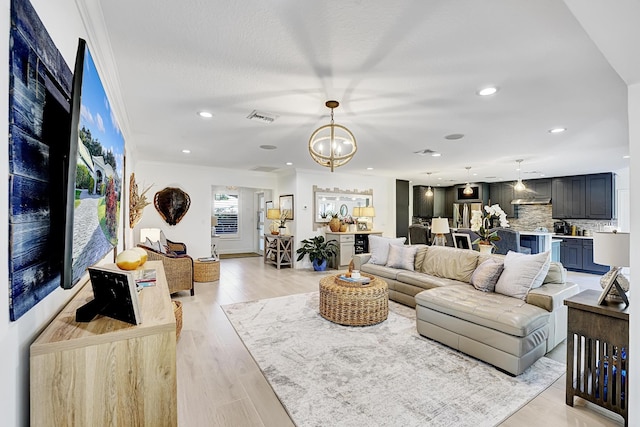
(405, 73)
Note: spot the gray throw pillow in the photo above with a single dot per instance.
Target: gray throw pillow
(522, 273)
(485, 277)
(379, 248)
(402, 257)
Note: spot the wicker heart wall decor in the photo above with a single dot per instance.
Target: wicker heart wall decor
(172, 204)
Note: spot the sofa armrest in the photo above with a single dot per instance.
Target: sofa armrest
(359, 260)
(550, 296)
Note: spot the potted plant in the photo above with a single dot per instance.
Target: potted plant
(319, 251)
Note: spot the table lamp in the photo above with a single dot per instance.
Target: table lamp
(612, 249)
(274, 214)
(365, 212)
(439, 227)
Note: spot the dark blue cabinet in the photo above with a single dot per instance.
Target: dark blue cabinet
(577, 255)
(583, 197)
(599, 196)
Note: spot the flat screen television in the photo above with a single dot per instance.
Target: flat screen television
(94, 173)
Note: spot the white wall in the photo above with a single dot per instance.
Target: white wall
(384, 196)
(195, 228)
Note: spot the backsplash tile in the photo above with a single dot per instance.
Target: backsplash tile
(531, 217)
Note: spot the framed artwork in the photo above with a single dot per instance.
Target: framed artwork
(461, 240)
(362, 226)
(286, 204)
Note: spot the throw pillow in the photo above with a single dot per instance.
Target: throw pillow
(379, 248)
(402, 257)
(485, 277)
(522, 273)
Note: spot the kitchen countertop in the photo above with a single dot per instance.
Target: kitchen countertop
(535, 233)
(568, 236)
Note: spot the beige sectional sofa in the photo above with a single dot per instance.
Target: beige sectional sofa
(508, 332)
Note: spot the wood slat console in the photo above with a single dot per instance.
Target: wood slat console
(107, 372)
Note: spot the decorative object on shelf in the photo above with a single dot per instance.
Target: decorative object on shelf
(334, 223)
(429, 192)
(318, 250)
(519, 185)
(365, 212)
(439, 227)
(467, 187)
(332, 145)
(612, 249)
(137, 201)
(286, 206)
(172, 204)
(274, 215)
(482, 226)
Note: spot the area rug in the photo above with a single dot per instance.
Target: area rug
(240, 255)
(382, 375)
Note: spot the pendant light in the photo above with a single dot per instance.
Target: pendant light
(519, 185)
(467, 188)
(429, 192)
(332, 145)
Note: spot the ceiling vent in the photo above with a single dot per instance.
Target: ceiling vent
(264, 169)
(262, 116)
(425, 152)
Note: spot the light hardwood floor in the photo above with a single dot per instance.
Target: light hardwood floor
(219, 384)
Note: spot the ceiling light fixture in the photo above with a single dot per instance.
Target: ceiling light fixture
(429, 192)
(332, 145)
(467, 188)
(557, 130)
(205, 114)
(289, 164)
(186, 151)
(519, 185)
(369, 168)
(436, 154)
(487, 91)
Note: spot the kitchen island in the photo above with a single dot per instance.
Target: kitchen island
(537, 241)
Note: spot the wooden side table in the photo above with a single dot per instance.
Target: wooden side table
(278, 250)
(598, 352)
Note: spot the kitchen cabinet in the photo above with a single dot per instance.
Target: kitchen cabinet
(568, 197)
(422, 204)
(449, 200)
(577, 255)
(439, 203)
(348, 245)
(599, 200)
(538, 188)
(583, 197)
(502, 193)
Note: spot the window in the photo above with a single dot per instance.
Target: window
(225, 207)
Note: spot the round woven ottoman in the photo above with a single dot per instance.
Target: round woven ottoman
(354, 304)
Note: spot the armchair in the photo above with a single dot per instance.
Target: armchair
(419, 234)
(509, 241)
(177, 268)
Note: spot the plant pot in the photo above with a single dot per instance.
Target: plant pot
(334, 224)
(319, 266)
(485, 249)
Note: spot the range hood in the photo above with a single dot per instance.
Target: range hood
(532, 201)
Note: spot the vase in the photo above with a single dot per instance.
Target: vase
(352, 228)
(334, 224)
(485, 249)
(343, 228)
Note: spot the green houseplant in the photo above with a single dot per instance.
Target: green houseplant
(319, 251)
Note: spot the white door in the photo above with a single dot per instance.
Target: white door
(260, 223)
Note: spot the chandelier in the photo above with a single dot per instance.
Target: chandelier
(332, 145)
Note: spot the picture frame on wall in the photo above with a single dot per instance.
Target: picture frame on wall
(286, 205)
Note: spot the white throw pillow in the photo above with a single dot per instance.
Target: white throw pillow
(402, 257)
(485, 277)
(379, 248)
(522, 273)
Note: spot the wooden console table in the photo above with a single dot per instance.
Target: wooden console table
(107, 372)
(278, 250)
(598, 352)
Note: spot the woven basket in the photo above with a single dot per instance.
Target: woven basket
(354, 305)
(177, 311)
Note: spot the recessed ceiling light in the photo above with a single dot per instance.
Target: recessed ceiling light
(626, 156)
(557, 130)
(487, 91)
(369, 168)
(268, 147)
(186, 151)
(436, 154)
(439, 179)
(205, 114)
(454, 136)
(288, 163)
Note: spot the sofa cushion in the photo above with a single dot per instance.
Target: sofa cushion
(426, 281)
(379, 248)
(502, 313)
(485, 277)
(380, 270)
(557, 274)
(422, 250)
(401, 257)
(450, 263)
(522, 273)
